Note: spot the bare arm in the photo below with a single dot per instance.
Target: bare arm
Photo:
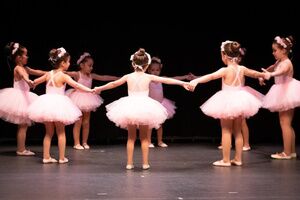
(40, 80)
(24, 76)
(166, 80)
(76, 85)
(282, 70)
(112, 84)
(73, 74)
(104, 77)
(253, 73)
(35, 72)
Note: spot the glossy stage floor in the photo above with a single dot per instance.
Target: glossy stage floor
(181, 171)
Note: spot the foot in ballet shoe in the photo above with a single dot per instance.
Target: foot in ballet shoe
(78, 147)
(247, 148)
(49, 160)
(281, 156)
(25, 153)
(220, 147)
(145, 166)
(151, 145)
(85, 146)
(65, 160)
(221, 163)
(236, 163)
(164, 145)
(294, 155)
(129, 167)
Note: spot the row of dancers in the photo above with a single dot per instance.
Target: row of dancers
(145, 107)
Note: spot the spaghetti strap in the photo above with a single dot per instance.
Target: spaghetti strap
(237, 77)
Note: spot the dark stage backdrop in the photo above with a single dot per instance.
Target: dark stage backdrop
(186, 38)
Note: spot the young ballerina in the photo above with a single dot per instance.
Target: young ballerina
(15, 101)
(244, 128)
(232, 104)
(156, 93)
(283, 96)
(54, 108)
(138, 110)
(86, 102)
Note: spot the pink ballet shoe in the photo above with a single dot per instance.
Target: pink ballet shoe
(294, 155)
(129, 167)
(281, 156)
(65, 160)
(151, 145)
(49, 160)
(164, 145)
(78, 147)
(85, 146)
(246, 148)
(236, 163)
(221, 163)
(25, 153)
(145, 166)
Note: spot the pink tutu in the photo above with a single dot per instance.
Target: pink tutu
(14, 105)
(54, 108)
(254, 92)
(85, 101)
(170, 106)
(283, 96)
(230, 103)
(136, 110)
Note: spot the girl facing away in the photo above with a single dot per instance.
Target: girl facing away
(232, 104)
(15, 101)
(283, 96)
(156, 93)
(138, 111)
(86, 102)
(54, 108)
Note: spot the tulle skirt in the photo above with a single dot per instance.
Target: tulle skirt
(85, 101)
(54, 108)
(282, 97)
(170, 106)
(14, 105)
(254, 92)
(136, 110)
(231, 104)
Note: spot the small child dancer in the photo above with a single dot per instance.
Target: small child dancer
(138, 110)
(86, 102)
(283, 96)
(54, 108)
(232, 104)
(156, 93)
(15, 101)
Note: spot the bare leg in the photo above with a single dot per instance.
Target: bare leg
(159, 135)
(47, 139)
(149, 135)
(144, 144)
(238, 139)
(245, 133)
(61, 136)
(76, 132)
(21, 137)
(288, 133)
(227, 127)
(130, 143)
(85, 127)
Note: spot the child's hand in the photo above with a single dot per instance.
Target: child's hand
(261, 81)
(267, 74)
(30, 83)
(191, 77)
(97, 90)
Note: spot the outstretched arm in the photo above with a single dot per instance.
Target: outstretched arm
(76, 85)
(73, 74)
(40, 80)
(284, 68)
(255, 74)
(35, 72)
(104, 77)
(207, 78)
(112, 84)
